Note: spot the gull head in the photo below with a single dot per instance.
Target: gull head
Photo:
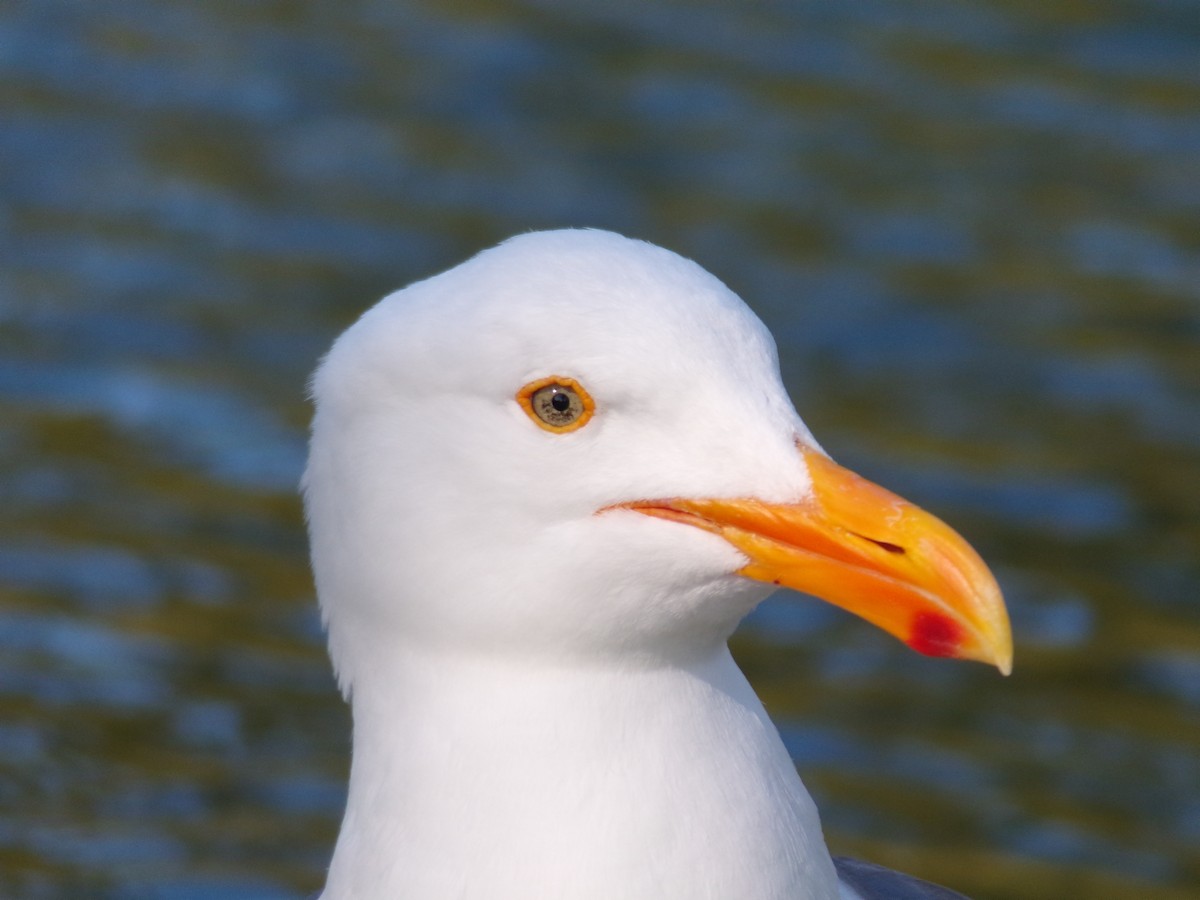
(576, 444)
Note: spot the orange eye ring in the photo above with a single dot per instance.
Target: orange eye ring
(557, 403)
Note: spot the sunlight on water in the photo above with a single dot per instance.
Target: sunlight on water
(971, 227)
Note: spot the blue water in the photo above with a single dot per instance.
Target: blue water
(971, 227)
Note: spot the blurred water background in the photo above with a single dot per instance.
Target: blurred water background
(974, 228)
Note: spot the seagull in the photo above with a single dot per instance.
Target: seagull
(543, 489)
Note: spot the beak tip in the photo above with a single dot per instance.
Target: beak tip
(1002, 641)
(937, 634)
(1004, 662)
(998, 651)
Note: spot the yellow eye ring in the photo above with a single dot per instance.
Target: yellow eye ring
(557, 403)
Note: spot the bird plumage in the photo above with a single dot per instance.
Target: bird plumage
(544, 704)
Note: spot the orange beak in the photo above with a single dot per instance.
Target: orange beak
(868, 551)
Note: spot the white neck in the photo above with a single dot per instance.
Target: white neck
(501, 778)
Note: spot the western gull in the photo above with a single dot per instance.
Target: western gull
(543, 489)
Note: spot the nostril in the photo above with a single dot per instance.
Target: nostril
(886, 545)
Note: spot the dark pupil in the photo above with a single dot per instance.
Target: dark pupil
(561, 402)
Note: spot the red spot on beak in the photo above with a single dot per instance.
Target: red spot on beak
(935, 635)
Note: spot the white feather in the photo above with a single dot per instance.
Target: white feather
(544, 704)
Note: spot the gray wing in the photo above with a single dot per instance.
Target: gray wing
(872, 882)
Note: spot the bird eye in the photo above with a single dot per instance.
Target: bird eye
(557, 403)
